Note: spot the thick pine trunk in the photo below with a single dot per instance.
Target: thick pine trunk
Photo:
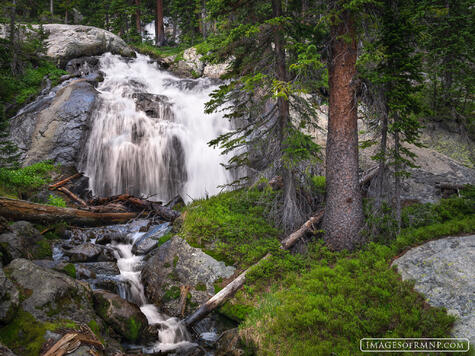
(159, 29)
(344, 209)
(39, 213)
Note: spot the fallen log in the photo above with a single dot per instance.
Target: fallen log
(64, 181)
(228, 291)
(39, 213)
(184, 290)
(72, 196)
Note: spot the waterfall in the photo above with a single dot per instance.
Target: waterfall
(149, 134)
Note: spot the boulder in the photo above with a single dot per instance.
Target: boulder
(50, 295)
(55, 126)
(154, 105)
(444, 272)
(215, 71)
(23, 241)
(9, 299)
(89, 252)
(124, 317)
(149, 241)
(65, 42)
(176, 264)
(228, 344)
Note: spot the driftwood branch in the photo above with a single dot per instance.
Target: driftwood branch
(64, 181)
(39, 213)
(184, 290)
(72, 196)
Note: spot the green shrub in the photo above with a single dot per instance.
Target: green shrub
(27, 178)
(319, 184)
(56, 201)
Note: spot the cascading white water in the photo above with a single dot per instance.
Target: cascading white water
(160, 154)
(172, 334)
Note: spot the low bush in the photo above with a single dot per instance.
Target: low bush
(26, 179)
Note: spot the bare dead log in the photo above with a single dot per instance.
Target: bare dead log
(290, 240)
(64, 181)
(222, 296)
(72, 196)
(39, 213)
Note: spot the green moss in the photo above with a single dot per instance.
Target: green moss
(164, 239)
(134, 326)
(70, 270)
(42, 250)
(175, 261)
(232, 226)
(170, 294)
(201, 287)
(25, 335)
(166, 265)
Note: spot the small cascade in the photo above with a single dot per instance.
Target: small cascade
(150, 135)
(172, 333)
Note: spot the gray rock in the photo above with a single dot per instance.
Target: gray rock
(176, 264)
(65, 42)
(149, 241)
(83, 66)
(228, 344)
(51, 295)
(215, 71)
(124, 317)
(56, 126)
(89, 252)
(100, 268)
(444, 272)
(20, 242)
(154, 106)
(9, 299)
(5, 351)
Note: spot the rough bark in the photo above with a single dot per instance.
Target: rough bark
(382, 158)
(159, 29)
(343, 217)
(38, 213)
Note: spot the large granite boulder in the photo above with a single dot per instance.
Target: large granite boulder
(55, 126)
(50, 295)
(124, 317)
(9, 299)
(175, 264)
(65, 42)
(444, 272)
(22, 241)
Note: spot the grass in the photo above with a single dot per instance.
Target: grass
(231, 226)
(159, 52)
(323, 302)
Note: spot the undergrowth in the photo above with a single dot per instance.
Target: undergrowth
(323, 302)
(26, 179)
(232, 226)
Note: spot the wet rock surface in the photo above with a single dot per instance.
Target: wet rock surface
(154, 105)
(444, 272)
(20, 242)
(56, 126)
(50, 294)
(90, 252)
(9, 299)
(124, 317)
(176, 264)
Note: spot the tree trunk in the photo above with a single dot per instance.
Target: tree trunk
(51, 7)
(344, 208)
(14, 65)
(291, 216)
(137, 17)
(159, 29)
(382, 158)
(397, 177)
(39, 213)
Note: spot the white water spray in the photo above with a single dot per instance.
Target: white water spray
(130, 152)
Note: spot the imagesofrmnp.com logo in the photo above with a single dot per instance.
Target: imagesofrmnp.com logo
(414, 345)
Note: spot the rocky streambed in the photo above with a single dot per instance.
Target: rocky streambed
(129, 284)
